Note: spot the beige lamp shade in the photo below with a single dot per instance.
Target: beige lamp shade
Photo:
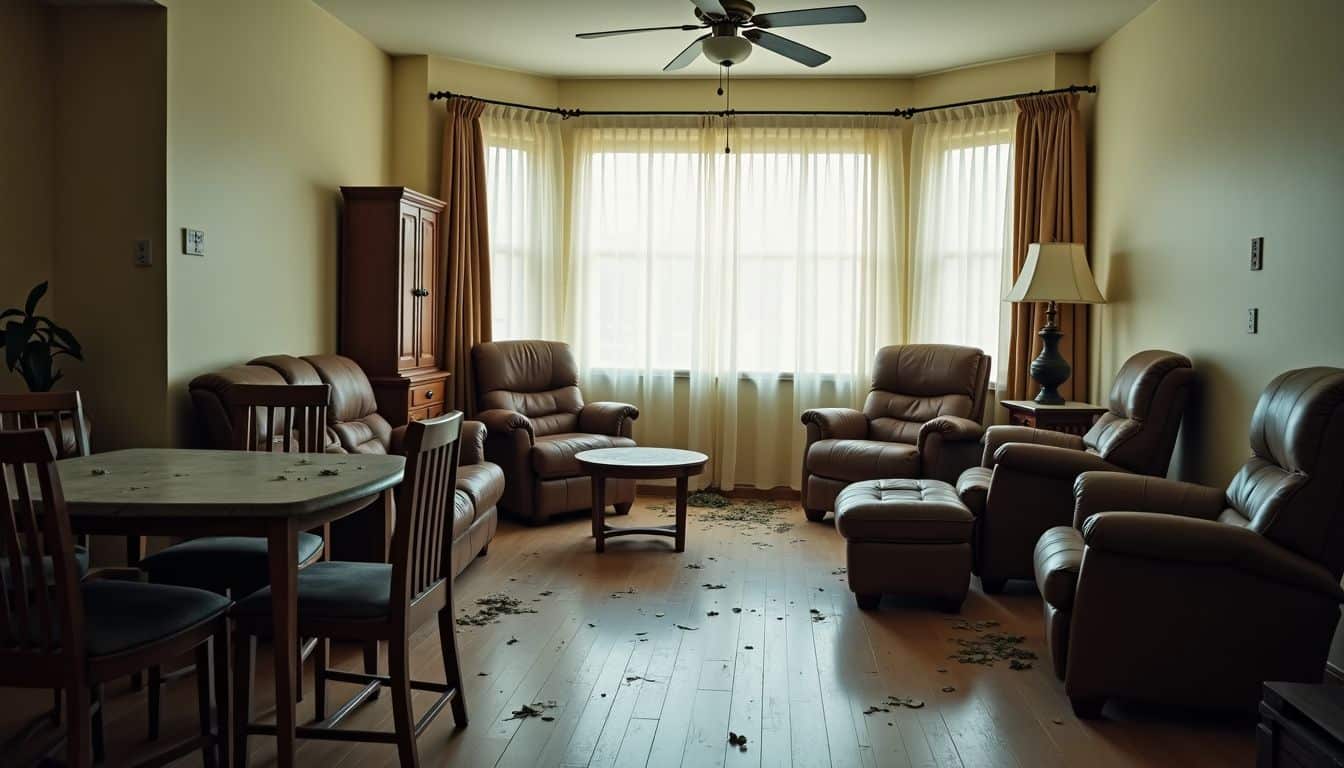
(1056, 272)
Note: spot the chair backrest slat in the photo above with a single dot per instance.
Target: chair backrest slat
(287, 417)
(42, 604)
(60, 412)
(420, 561)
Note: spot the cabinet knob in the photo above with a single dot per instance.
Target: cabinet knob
(422, 292)
(429, 394)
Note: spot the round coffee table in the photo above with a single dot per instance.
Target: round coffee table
(639, 464)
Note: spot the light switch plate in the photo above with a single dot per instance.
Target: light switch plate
(1253, 320)
(144, 254)
(193, 242)
(1257, 254)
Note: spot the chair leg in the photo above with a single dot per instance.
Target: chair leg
(399, 669)
(77, 726)
(624, 508)
(244, 659)
(220, 680)
(99, 741)
(452, 670)
(371, 663)
(320, 679)
(155, 689)
(815, 515)
(203, 675)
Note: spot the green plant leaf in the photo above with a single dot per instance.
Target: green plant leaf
(35, 296)
(67, 341)
(38, 358)
(15, 336)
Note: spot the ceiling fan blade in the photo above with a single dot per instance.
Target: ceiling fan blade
(840, 14)
(710, 7)
(613, 32)
(787, 48)
(684, 58)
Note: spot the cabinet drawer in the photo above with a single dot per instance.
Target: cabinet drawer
(426, 394)
(427, 412)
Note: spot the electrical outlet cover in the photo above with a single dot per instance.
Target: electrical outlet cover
(193, 242)
(144, 254)
(1257, 254)
(1253, 320)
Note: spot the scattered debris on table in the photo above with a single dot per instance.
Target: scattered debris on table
(816, 614)
(512, 640)
(688, 629)
(737, 740)
(659, 615)
(737, 610)
(535, 709)
(694, 566)
(97, 471)
(329, 472)
(895, 702)
(623, 593)
(841, 571)
(491, 608)
(714, 586)
(711, 613)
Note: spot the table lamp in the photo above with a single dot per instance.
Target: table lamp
(1054, 272)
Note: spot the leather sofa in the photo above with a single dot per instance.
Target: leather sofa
(922, 419)
(355, 426)
(1024, 484)
(528, 397)
(1194, 596)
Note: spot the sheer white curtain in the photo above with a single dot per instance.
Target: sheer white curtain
(960, 214)
(726, 293)
(524, 165)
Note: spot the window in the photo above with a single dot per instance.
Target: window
(523, 178)
(754, 262)
(961, 199)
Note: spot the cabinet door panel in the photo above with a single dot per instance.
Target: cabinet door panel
(407, 282)
(428, 347)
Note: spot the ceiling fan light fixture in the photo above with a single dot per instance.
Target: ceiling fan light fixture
(726, 50)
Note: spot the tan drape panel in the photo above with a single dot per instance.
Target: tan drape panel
(466, 249)
(1049, 206)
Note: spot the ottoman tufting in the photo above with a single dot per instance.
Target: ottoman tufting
(905, 537)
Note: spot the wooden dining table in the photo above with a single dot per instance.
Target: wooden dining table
(190, 493)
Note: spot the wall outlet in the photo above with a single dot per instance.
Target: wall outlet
(1257, 253)
(193, 242)
(144, 254)
(1253, 320)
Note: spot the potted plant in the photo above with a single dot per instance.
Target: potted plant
(32, 343)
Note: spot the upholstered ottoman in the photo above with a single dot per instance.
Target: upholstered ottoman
(905, 537)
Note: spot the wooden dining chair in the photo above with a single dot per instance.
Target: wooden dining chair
(75, 635)
(361, 602)
(265, 417)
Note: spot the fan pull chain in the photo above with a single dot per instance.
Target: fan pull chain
(720, 80)
(728, 108)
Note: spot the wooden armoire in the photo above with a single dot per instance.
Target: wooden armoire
(389, 298)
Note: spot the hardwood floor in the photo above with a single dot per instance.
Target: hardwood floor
(635, 672)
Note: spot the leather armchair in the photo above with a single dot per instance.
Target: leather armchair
(1024, 484)
(921, 419)
(1184, 594)
(355, 426)
(529, 399)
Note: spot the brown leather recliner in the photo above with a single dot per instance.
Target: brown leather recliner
(921, 420)
(355, 426)
(1024, 484)
(1193, 596)
(528, 396)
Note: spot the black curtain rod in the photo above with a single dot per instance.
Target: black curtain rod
(906, 113)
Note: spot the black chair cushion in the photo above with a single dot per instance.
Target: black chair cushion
(335, 590)
(234, 564)
(121, 615)
(81, 565)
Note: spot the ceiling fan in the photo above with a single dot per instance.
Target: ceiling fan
(726, 18)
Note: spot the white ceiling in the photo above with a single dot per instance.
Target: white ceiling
(900, 38)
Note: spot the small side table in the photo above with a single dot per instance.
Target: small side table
(639, 464)
(1072, 417)
(1300, 724)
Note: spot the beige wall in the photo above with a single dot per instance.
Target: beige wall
(110, 86)
(1217, 121)
(273, 105)
(27, 156)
